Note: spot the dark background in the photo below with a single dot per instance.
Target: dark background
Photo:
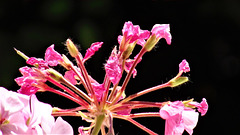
(206, 33)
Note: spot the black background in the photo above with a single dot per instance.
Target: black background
(206, 33)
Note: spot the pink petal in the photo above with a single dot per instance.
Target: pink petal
(144, 34)
(28, 89)
(172, 113)
(120, 39)
(190, 119)
(113, 68)
(40, 62)
(69, 75)
(99, 89)
(52, 57)
(90, 51)
(128, 65)
(171, 109)
(38, 111)
(62, 127)
(203, 107)
(184, 66)
(162, 31)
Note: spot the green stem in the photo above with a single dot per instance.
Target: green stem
(99, 120)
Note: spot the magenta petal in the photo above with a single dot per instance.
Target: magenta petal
(203, 107)
(69, 75)
(52, 57)
(40, 62)
(184, 66)
(162, 31)
(113, 68)
(128, 65)
(91, 51)
(99, 89)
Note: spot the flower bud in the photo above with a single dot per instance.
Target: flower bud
(72, 48)
(177, 81)
(21, 54)
(66, 62)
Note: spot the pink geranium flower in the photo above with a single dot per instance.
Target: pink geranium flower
(30, 77)
(184, 66)
(132, 33)
(162, 31)
(178, 118)
(202, 107)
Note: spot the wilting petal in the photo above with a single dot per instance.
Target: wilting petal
(184, 66)
(162, 31)
(40, 62)
(113, 68)
(91, 51)
(52, 57)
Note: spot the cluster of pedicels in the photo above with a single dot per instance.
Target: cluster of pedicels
(99, 102)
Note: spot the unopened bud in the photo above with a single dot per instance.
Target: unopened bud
(66, 62)
(72, 48)
(151, 42)
(55, 75)
(21, 54)
(178, 81)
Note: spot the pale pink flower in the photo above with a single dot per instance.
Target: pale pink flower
(113, 67)
(50, 126)
(11, 118)
(184, 66)
(178, 118)
(34, 113)
(162, 31)
(52, 57)
(90, 51)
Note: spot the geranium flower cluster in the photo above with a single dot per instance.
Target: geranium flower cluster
(99, 102)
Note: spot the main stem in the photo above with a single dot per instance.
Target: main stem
(99, 120)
